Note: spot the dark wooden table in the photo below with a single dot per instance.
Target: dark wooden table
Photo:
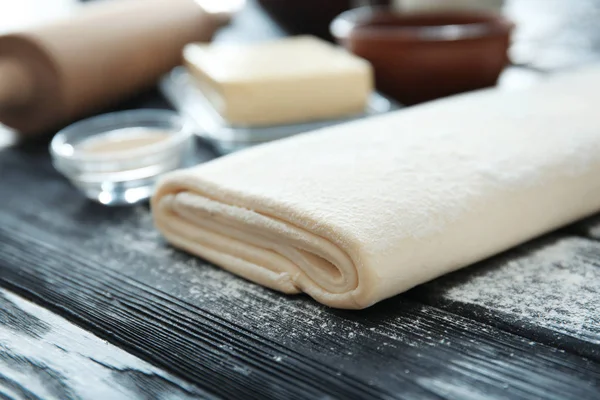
(94, 304)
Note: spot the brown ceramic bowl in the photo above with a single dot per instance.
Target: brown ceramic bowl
(423, 56)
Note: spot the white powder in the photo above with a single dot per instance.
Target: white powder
(552, 287)
(557, 287)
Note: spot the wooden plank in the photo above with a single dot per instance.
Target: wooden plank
(548, 290)
(43, 356)
(109, 270)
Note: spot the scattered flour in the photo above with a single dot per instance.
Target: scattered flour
(556, 286)
(570, 290)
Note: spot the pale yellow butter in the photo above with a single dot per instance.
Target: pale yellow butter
(289, 80)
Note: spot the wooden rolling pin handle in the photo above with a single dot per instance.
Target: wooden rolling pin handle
(107, 51)
(16, 84)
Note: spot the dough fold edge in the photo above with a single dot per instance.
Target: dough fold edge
(225, 229)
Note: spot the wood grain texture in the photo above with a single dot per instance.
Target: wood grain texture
(43, 356)
(110, 271)
(547, 290)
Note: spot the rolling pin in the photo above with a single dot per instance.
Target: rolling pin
(53, 74)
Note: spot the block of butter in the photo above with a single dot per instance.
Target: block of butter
(290, 80)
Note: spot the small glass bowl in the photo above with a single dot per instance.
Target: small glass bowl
(129, 176)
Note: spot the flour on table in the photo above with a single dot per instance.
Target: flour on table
(556, 286)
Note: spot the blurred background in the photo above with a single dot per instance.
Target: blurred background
(550, 33)
(548, 36)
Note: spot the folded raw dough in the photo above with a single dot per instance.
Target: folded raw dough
(359, 212)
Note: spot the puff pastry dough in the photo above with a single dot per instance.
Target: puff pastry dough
(359, 212)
